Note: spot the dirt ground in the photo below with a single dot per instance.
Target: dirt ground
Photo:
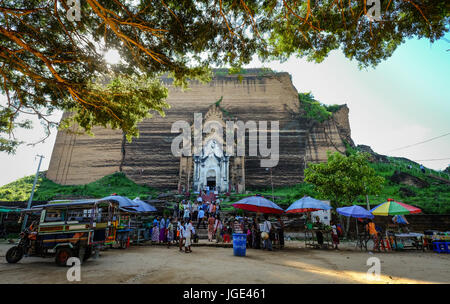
(294, 264)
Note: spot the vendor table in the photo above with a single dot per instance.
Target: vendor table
(140, 236)
(415, 241)
(311, 238)
(379, 242)
(123, 236)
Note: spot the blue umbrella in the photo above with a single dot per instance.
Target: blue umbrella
(355, 211)
(143, 206)
(124, 202)
(307, 204)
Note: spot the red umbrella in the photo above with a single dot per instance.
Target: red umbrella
(258, 204)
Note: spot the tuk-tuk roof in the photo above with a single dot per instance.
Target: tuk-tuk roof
(7, 209)
(128, 210)
(31, 210)
(124, 201)
(92, 200)
(80, 203)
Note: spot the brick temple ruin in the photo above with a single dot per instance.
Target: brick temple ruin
(253, 96)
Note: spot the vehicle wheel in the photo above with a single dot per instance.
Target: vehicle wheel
(87, 253)
(62, 255)
(14, 254)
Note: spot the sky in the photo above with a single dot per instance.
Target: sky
(402, 101)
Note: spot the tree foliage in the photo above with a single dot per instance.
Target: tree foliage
(343, 178)
(49, 63)
(128, 99)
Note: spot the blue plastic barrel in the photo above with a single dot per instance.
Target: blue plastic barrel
(239, 244)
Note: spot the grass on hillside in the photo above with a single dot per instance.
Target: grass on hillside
(434, 199)
(47, 190)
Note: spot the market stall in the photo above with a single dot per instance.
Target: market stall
(409, 240)
(400, 241)
(357, 212)
(257, 204)
(4, 212)
(317, 235)
(122, 230)
(142, 231)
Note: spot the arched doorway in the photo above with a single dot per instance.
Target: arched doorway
(211, 179)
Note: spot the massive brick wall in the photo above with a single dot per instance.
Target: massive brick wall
(79, 159)
(328, 136)
(149, 160)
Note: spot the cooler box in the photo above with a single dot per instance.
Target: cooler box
(239, 244)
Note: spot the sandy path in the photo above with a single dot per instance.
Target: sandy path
(154, 264)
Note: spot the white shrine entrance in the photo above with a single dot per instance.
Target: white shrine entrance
(211, 168)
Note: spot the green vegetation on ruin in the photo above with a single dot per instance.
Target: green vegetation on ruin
(241, 71)
(315, 110)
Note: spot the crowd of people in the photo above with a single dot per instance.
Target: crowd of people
(197, 210)
(180, 229)
(188, 217)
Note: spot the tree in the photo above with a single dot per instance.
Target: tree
(48, 62)
(343, 178)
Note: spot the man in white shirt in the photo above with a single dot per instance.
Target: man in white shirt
(188, 230)
(267, 227)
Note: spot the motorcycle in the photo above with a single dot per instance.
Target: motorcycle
(15, 253)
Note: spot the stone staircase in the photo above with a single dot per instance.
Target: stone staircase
(202, 231)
